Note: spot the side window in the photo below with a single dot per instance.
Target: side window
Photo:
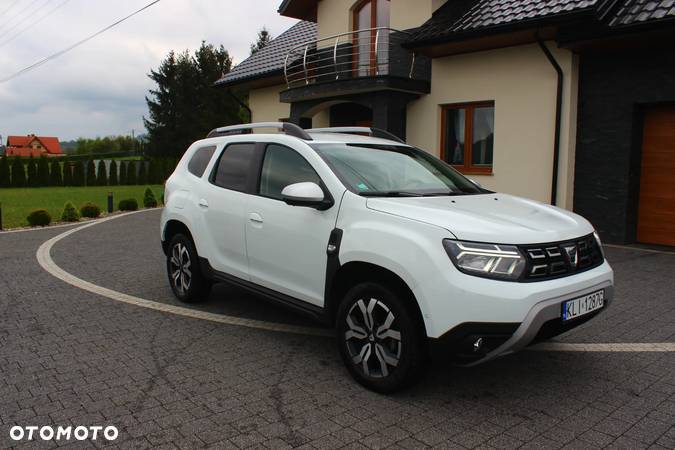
(283, 166)
(233, 170)
(200, 159)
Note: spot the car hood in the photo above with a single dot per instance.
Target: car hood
(498, 218)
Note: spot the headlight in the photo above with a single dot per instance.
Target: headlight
(502, 262)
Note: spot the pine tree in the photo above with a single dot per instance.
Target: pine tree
(142, 173)
(18, 173)
(152, 172)
(78, 174)
(55, 174)
(43, 171)
(5, 179)
(67, 173)
(32, 172)
(264, 38)
(112, 178)
(90, 179)
(123, 173)
(131, 173)
(101, 176)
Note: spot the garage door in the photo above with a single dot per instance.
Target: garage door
(656, 217)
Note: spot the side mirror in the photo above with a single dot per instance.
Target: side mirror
(305, 194)
(475, 182)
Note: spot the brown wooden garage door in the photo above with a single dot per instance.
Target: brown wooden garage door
(656, 219)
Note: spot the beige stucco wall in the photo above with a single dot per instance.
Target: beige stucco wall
(335, 16)
(522, 84)
(265, 105)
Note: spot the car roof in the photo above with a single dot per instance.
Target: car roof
(335, 138)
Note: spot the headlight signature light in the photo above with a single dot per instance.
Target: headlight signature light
(502, 262)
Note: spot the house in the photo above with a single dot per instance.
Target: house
(569, 102)
(33, 145)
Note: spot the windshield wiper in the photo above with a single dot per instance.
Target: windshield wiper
(390, 194)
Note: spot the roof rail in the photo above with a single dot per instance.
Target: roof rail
(290, 129)
(374, 132)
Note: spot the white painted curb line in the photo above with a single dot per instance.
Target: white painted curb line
(47, 263)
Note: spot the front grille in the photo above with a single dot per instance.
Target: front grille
(560, 259)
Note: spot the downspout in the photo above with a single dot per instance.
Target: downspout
(242, 104)
(558, 117)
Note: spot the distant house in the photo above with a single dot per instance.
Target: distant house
(33, 145)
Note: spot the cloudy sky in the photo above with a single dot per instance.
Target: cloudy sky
(99, 89)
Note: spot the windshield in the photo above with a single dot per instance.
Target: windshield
(393, 170)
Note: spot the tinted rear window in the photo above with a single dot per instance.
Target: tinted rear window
(200, 160)
(234, 167)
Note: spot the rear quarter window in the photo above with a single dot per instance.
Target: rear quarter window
(200, 159)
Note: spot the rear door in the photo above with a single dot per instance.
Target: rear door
(222, 204)
(287, 244)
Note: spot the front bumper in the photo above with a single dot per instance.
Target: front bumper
(543, 321)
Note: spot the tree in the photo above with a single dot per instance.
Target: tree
(184, 107)
(131, 173)
(78, 174)
(55, 175)
(153, 174)
(32, 172)
(90, 179)
(142, 173)
(18, 173)
(101, 176)
(5, 179)
(43, 171)
(123, 173)
(112, 178)
(67, 173)
(264, 38)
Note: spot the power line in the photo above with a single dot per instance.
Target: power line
(19, 13)
(24, 20)
(11, 5)
(32, 24)
(76, 44)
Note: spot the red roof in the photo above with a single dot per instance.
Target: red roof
(21, 143)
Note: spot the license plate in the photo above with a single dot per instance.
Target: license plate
(571, 309)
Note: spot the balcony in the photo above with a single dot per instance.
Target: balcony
(364, 60)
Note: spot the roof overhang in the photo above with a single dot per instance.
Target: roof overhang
(299, 9)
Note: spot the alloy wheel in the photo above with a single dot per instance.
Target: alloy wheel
(373, 344)
(181, 270)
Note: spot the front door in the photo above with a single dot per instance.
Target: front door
(656, 217)
(287, 244)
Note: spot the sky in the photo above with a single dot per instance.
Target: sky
(99, 88)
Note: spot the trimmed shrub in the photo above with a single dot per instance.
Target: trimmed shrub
(90, 210)
(32, 180)
(55, 174)
(67, 173)
(78, 173)
(70, 214)
(5, 179)
(149, 200)
(39, 218)
(101, 174)
(112, 178)
(91, 173)
(18, 173)
(43, 171)
(123, 173)
(131, 173)
(128, 204)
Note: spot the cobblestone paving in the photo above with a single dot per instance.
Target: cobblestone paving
(70, 357)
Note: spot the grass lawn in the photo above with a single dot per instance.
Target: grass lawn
(17, 203)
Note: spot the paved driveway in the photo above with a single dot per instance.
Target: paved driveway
(71, 357)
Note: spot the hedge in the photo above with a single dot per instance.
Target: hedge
(39, 218)
(128, 204)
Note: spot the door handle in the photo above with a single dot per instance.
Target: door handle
(255, 218)
(203, 203)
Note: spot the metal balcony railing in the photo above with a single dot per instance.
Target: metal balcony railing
(362, 53)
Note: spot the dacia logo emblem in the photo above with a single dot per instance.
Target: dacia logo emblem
(572, 252)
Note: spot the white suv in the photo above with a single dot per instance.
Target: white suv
(403, 255)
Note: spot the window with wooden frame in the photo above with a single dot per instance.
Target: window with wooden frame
(369, 14)
(467, 136)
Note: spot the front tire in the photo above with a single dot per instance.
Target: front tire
(379, 341)
(182, 266)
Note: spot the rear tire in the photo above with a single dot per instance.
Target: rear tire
(185, 276)
(380, 342)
